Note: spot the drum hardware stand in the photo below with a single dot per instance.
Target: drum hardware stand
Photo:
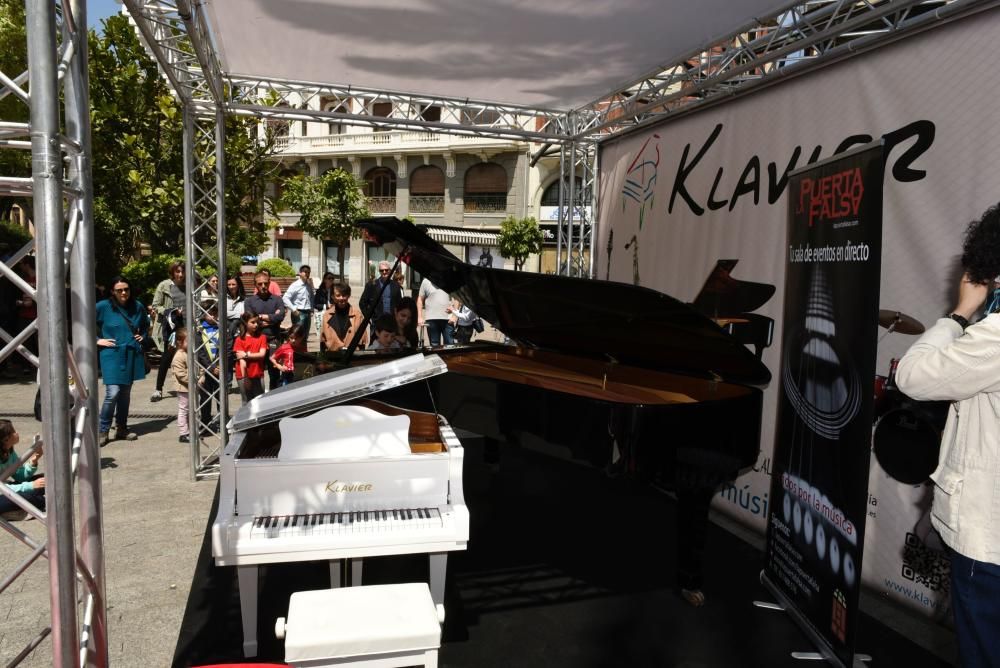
(860, 660)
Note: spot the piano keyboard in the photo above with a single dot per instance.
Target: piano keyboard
(338, 524)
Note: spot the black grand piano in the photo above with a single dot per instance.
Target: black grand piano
(618, 373)
(627, 378)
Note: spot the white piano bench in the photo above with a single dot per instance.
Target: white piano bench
(379, 626)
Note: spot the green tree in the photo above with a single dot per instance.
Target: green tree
(137, 130)
(519, 238)
(328, 206)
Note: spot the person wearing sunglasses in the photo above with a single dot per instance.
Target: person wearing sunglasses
(271, 311)
(122, 325)
(370, 302)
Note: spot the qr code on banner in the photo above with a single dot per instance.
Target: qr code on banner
(925, 566)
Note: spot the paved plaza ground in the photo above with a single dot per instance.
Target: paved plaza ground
(155, 516)
(154, 521)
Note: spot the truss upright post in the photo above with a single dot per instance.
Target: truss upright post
(204, 223)
(84, 334)
(561, 221)
(223, 294)
(47, 178)
(569, 177)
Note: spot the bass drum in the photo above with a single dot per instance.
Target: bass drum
(906, 442)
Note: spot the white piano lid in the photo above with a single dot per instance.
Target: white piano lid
(306, 396)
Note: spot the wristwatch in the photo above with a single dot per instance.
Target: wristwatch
(961, 320)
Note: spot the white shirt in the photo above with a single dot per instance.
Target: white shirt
(299, 295)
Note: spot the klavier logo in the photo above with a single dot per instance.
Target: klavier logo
(337, 487)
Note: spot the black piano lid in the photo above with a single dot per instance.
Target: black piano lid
(630, 324)
(312, 394)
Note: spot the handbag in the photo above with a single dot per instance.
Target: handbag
(478, 325)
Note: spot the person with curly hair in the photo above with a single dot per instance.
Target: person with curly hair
(959, 361)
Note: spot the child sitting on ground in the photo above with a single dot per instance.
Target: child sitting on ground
(385, 334)
(283, 358)
(179, 370)
(27, 483)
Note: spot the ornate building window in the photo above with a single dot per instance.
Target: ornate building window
(380, 188)
(427, 190)
(486, 188)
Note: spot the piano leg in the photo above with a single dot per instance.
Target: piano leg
(356, 567)
(438, 568)
(247, 576)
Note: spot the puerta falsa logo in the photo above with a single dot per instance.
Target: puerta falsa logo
(831, 197)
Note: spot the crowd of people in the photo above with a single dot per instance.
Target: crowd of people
(260, 345)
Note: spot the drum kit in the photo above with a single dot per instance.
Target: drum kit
(907, 434)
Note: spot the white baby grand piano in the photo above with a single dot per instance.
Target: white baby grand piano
(314, 471)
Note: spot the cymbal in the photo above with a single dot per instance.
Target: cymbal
(899, 322)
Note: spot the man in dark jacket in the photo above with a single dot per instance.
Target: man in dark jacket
(386, 305)
(271, 311)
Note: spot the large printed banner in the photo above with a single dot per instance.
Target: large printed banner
(815, 535)
(678, 197)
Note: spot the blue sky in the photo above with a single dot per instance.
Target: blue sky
(101, 9)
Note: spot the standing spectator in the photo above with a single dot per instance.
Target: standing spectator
(374, 306)
(179, 370)
(168, 303)
(321, 302)
(299, 299)
(432, 310)
(271, 311)
(461, 318)
(342, 320)
(406, 323)
(957, 361)
(122, 324)
(208, 382)
(210, 292)
(283, 358)
(272, 287)
(235, 303)
(251, 351)
(27, 483)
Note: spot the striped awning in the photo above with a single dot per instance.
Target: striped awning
(458, 235)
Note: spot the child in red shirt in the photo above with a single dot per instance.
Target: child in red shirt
(283, 358)
(250, 348)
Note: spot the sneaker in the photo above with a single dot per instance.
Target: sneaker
(183, 438)
(16, 515)
(103, 438)
(123, 434)
(156, 395)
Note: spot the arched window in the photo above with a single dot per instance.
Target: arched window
(380, 188)
(486, 188)
(427, 190)
(551, 195)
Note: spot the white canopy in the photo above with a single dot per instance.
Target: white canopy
(560, 56)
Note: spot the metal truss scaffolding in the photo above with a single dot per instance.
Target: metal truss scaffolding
(205, 232)
(799, 37)
(59, 195)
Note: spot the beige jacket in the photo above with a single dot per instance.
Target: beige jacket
(945, 364)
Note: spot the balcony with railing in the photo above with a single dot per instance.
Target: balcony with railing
(382, 204)
(377, 142)
(426, 203)
(485, 203)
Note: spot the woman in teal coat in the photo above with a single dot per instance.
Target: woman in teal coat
(122, 325)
